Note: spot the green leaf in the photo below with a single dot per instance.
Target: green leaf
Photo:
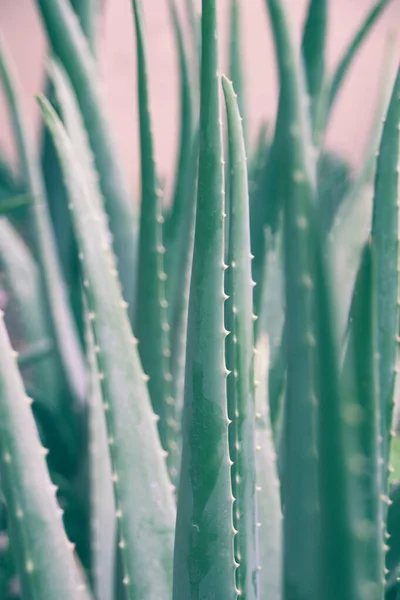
(204, 563)
(313, 51)
(236, 73)
(292, 121)
(103, 520)
(151, 325)
(385, 234)
(361, 422)
(27, 312)
(240, 350)
(44, 557)
(355, 44)
(63, 328)
(71, 47)
(337, 573)
(269, 511)
(87, 13)
(142, 491)
(297, 195)
(352, 223)
(179, 239)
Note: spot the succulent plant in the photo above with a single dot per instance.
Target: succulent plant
(199, 398)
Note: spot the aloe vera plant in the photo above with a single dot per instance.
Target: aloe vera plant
(170, 428)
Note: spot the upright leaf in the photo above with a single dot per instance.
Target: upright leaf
(61, 320)
(385, 241)
(297, 195)
(103, 519)
(142, 491)
(204, 564)
(269, 510)
(28, 309)
(292, 121)
(336, 572)
(87, 13)
(241, 403)
(236, 58)
(151, 324)
(352, 223)
(44, 557)
(71, 47)
(362, 428)
(335, 84)
(179, 238)
(313, 51)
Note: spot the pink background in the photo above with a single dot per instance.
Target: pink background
(352, 116)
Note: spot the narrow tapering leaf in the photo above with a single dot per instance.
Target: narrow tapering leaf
(292, 123)
(44, 556)
(269, 512)
(385, 241)
(296, 193)
(351, 52)
(179, 237)
(103, 519)
(87, 12)
(61, 320)
(22, 281)
(145, 512)
(236, 58)
(362, 433)
(352, 223)
(337, 574)
(71, 47)
(151, 325)
(313, 50)
(204, 563)
(241, 403)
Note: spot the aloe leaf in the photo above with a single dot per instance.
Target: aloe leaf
(58, 211)
(71, 47)
(103, 520)
(142, 491)
(236, 59)
(351, 51)
(194, 25)
(204, 563)
(313, 51)
(179, 239)
(23, 283)
(297, 194)
(385, 234)
(151, 325)
(240, 344)
(61, 320)
(393, 523)
(337, 560)
(362, 431)
(269, 511)
(352, 223)
(292, 121)
(87, 13)
(43, 554)
(22, 280)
